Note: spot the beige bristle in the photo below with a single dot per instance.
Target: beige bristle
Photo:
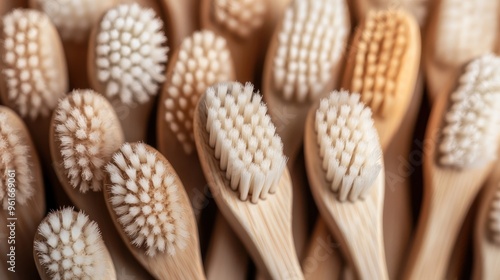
(348, 144)
(70, 246)
(244, 139)
(86, 130)
(472, 123)
(202, 61)
(34, 76)
(241, 17)
(131, 53)
(145, 197)
(494, 218)
(311, 41)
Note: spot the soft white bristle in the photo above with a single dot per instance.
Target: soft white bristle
(86, 129)
(131, 53)
(244, 139)
(15, 156)
(71, 246)
(241, 17)
(73, 18)
(146, 199)
(349, 145)
(472, 122)
(203, 60)
(310, 43)
(494, 218)
(31, 67)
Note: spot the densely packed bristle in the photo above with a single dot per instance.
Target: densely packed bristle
(202, 61)
(241, 17)
(348, 145)
(146, 199)
(31, 63)
(311, 40)
(15, 157)
(131, 53)
(472, 123)
(494, 218)
(70, 246)
(244, 139)
(73, 18)
(88, 133)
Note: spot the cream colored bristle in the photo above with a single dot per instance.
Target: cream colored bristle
(86, 130)
(240, 17)
(349, 145)
(311, 41)
(472, 123)
(146, 199)
(32, 69)
(203, 60)
(131, 53)
(244, 139)
(494, 218)
(70, 246)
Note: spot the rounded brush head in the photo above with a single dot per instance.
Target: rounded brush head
(494, 219)
(244, 139)
(240, 17)
(203, 59)
(129, 54)
(472, 121)
(348, 145)
(87, 132)
(68, 245)
(33, 63)
(144, 194)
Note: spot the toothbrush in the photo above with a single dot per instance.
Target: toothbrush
(460, 146)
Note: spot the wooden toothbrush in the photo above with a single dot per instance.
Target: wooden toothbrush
(459, 148)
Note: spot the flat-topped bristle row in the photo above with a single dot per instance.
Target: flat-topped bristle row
(471, 125)
(145, 197)
(244, 140)
(310, 44)
(240, 17)
(348, 145)
(494, 218)
(131, 53)
(202, 61)
(87, 133)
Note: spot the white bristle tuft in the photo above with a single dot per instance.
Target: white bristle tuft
(86, 129)
(311, 41)
(131, 53)
(203, 60)
(349, 145)
(494, 218)
(31, 67)
(146, 199)
(244, 140)
(14, 156)
(472, 122)
(241, 17)
(71, 246)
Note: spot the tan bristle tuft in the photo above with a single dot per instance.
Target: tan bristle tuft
(70, 246)
(202, 61)
(87, 132)
(131, 53)
(241, 17)
(146, 199)
(311, 41)
(244, 140)
(494, 218)
(349, 145)
(32, 68)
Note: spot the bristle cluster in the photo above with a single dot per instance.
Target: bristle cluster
(378, 58)
(146, 199)
(70, 246)
(244, 139)
(494, 218)
(88, 133)
(131, 53)
(203, 60)
(31, 63)
(241, 17)
(348, 145)
(472, 123)
(15, 156)
(310, 43)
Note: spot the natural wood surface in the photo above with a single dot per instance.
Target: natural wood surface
(181, 19)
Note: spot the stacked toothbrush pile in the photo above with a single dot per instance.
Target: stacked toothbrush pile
(249, 139)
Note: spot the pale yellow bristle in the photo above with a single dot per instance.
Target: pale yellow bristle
(241, 17)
